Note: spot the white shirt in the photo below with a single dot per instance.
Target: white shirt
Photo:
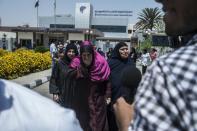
(53, 49)
(24, 110)
(145, 59)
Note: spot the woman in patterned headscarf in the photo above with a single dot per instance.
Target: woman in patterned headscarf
(89, 84)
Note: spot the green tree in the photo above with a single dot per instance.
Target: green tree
(160, 27)
(149, 18)
(146, 44)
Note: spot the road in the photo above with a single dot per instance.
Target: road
(43, 90)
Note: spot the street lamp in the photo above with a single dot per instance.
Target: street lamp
(89, 33)
(146, 33)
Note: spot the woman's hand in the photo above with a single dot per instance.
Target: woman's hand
(108, 100)
(56, 97)
(84, 71)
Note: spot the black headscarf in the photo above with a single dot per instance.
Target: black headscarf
(117, 64)
(66, 59)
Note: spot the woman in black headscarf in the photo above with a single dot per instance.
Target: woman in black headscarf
(57, 82)
(118, 61)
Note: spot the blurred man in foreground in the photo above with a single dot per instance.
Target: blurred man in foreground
(24, 110)
(167, 96)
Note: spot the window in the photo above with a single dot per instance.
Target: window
(160, 40)
(61, 26)
(26, 43)
(107, 28)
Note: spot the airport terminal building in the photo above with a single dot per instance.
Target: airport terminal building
(113, 23)
(104, 27)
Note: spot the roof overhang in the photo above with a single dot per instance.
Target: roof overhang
(52, 30)
(113, 39)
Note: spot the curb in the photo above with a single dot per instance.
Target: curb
(37, 82)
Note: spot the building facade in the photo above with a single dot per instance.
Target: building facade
(104, 27)
(111, 23)
(7, 38)
(114, 24)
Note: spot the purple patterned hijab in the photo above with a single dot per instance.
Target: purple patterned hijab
(99, 70)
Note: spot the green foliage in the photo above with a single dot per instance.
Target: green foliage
(146, 44)
(41, 49)
(160, 27)
(148, 18)
(40, 44)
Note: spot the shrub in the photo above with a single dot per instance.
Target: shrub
(22, 62)
(41, 49)
(3, 52)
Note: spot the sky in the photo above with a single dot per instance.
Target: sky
(21, 12)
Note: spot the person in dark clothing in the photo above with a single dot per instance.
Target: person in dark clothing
(59, 73)
(130, 79)
(90, 87)
(119, 60)
(60, 53)
(101, 52)
(133, 54)
(109, 53)
(4, 46)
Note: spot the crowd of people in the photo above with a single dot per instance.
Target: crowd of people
(99, 87)
(112, 95)
(165, 98)
(95, 88)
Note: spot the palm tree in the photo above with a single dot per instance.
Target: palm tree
(148, 18)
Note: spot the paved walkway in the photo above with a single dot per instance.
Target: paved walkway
(38, 78)
(34, 79)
